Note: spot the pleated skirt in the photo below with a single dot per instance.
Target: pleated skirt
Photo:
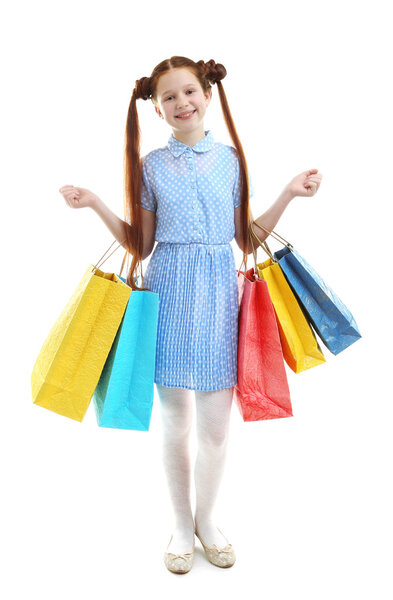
(197, 335)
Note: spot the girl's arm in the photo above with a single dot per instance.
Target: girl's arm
(115, 225)
(118, 227)
(77, 197)
(270, 218)
(304, 184)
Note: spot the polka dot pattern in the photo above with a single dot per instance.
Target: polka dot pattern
(194, 192)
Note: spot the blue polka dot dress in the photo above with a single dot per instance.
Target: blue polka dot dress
(193, 191)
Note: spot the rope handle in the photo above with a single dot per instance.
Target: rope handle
(99, 263)
(264, 244)
(273, 233)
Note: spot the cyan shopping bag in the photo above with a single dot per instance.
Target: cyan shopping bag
(329, 316)
(123, 398)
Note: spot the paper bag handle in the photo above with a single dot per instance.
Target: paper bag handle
(99, 263)
(264, 244)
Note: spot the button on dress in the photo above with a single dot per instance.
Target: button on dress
(193, 191)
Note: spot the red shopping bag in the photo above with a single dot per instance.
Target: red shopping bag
(262, 390)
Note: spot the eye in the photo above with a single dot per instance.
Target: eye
(169, 97)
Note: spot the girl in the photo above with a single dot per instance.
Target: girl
(192, 197)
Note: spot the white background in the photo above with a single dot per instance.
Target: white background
(306, 500)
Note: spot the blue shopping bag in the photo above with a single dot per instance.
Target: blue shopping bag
(322, 308)
(123, 398)
(329, 316)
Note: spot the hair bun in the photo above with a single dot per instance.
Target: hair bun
(142, 88)
(213, 71)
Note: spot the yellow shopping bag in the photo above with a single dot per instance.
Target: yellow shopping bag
(69, 365)
(299, 343)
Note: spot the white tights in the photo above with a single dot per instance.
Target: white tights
(213, 416)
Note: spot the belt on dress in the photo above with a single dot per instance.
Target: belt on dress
(189, 243)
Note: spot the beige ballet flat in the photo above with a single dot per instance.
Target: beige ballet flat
(221, 557)
(179, 563)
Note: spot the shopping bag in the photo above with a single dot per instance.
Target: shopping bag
(329, 316)
(123, 398)
(298, 341)
(262, 390)
(69, 364)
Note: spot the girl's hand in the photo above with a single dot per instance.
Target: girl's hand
(305, 184)
(77, 197)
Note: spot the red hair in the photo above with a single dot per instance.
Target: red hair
(146, 88)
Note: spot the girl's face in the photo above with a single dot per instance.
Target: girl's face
(179, 91)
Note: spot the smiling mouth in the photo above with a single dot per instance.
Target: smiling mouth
(186, 116)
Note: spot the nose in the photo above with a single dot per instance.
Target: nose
(182, 101)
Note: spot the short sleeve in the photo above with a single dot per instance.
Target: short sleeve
(236, 187)
(148, 199)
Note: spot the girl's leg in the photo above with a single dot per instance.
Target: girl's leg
(213, 416)
(176, 411)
